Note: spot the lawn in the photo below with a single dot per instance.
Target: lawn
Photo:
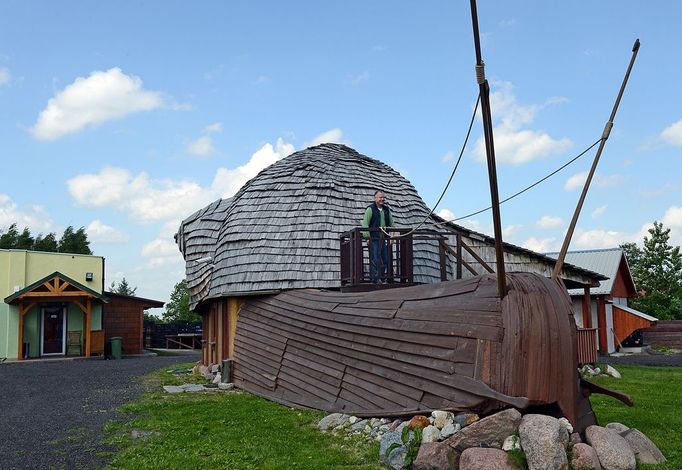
(657, 392)
(228, 430)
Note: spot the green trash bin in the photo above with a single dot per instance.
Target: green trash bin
(115, 347)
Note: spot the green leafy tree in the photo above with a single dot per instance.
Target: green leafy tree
(25, 241)
(8, 239)
(74, 241)
(47, 243)
(177, 307)
(122, 288)
(657, 271)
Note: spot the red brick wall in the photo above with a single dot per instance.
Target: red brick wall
(124, 317)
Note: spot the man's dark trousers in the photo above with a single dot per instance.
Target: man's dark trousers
(378, 259)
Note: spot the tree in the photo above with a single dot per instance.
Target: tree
(657, 271)
(25, 241)
(8, 239)
(48, 243)
(74, 241)
(122, 288)
(177, 307)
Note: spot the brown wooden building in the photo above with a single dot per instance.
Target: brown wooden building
(123, 316)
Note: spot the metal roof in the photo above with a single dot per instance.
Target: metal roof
(605, 261)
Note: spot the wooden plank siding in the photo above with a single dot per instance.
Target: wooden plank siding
(625, 323)
(452, 345)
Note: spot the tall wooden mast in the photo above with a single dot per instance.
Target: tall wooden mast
(484, 90)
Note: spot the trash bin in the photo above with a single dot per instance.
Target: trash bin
(115, 347)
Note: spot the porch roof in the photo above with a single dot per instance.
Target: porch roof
(55, 285)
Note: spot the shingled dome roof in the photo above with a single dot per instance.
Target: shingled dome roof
(281, 230)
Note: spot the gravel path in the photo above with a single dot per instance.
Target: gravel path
(645, 360)
(52, 413)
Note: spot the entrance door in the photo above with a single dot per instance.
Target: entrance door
(53, 330)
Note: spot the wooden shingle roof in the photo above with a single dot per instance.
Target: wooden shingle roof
(281, 230)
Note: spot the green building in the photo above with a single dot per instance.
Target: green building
(50, 304)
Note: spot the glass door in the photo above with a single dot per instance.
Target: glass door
(53, 330)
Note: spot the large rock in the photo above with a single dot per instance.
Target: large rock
(612, 449)
(395, 458)
(543, 439)
(435, 456)
(442, 418)
(488, 432)
(479, 458)
(418, 421)
(331, 421)
(465, 419)
(430, 434)
(612, 372)
(585, 457)
(618, 427)
(645, 451)
(449, 430)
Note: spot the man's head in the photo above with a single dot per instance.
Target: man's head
(379, 198)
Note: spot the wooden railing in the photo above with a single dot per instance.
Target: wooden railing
(587, 345)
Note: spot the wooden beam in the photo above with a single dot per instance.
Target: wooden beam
(460, 261)
(587, 307)
(48, 286)
(88, 313)
(20, 344)
(477, 258)
(43, 295)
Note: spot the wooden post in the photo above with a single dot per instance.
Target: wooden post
(587, 308)
(443, 261)
(601, 324)
(20, 346)
(459, 256)
(88, 314)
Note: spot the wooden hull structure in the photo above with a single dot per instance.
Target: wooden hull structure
(452, 346)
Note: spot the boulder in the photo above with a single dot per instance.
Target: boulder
(479, 458)
(359, 425)
(353, 419)
(173, 389)
(489, 432)
(418, 421)
(435, 456)
(612, 449)
(645, 451)
(619, 428)
(612, 372)
(430, 434)
(575, 438)
(544, 440)
(442, 418)
(331, 421)
(193, 388)
(225, 386)
(465, 419)
(585, 457)
(395, 458)
(449, 430)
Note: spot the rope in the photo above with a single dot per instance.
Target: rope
(454, 170)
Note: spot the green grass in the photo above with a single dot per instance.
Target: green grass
(227, 430)
(656, 392)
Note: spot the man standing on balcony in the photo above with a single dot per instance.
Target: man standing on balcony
(377, 216)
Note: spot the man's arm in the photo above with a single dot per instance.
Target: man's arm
(365, 221)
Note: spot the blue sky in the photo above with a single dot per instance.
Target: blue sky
(126, 117)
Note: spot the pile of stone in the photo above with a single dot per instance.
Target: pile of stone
(588, 371)
(499, 441)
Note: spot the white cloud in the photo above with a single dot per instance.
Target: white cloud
(161, 252)
(548, 222)
(201, 147)
(673, 134)
(577, 181)
(227, 181)
(599, 211)
(673, 217)
(599, 238)
(34, 217)
(513, 144)
(101, 233)
(91, 101)
(543, 245)
(5, 76)
(510, 230)
(446, 214)
(359, 78)
(146, 200)
(215, 127)
(331, 136)
(448, 157)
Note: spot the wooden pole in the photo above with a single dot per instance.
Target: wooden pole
(605, 135)
(88, 314)
(20, 345)
(484, 90)
(587, 308)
